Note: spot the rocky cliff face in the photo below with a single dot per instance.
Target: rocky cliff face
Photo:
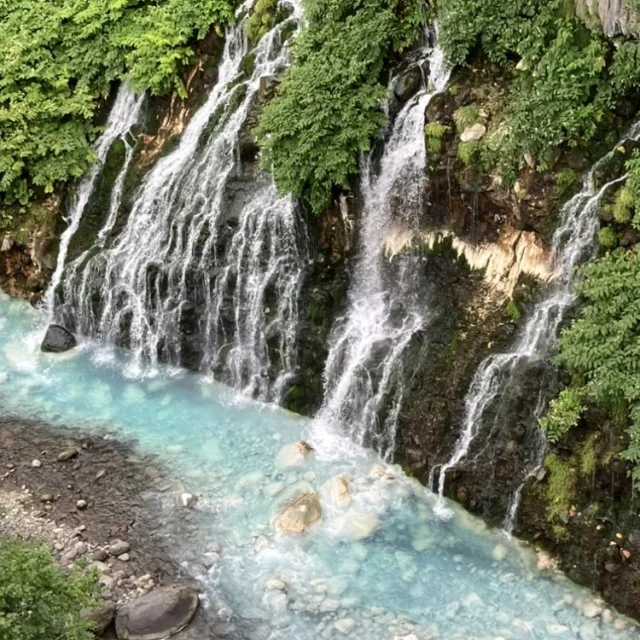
(614, 17)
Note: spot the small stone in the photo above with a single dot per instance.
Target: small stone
(67, 455)
(36, 464)
(118, 548)
(100, 474)
(124, 557)
(187, 500)
(81, 504)
(591, 609)
(100, 555)
(108, 582)
(473, 133)
(274, 585)
(329, 605)
(46, 497)
(345, 625)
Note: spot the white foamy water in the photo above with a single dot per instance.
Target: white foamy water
(183, 260)
(124, 114)
(364, 368)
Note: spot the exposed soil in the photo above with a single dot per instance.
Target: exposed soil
(127, 498)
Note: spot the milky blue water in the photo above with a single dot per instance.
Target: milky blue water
(378, 565)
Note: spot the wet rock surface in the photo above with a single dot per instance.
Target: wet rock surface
(58, 339)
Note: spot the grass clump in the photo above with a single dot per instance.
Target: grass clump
(435, 132)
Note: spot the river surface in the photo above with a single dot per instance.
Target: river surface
(379, 565)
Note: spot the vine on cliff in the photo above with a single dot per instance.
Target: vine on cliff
(57, 60)
(327, 109)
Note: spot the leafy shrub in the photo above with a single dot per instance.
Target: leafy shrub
(565, 83)
(513, 311)
(327, 108)
(607, 238)
(623, 206)
(435, 131)
(563, 414)
(38, 600)
(261, 19)
(58, 60)
(602, 346)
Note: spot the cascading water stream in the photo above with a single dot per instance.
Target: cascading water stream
(573, 243)
(124, 114)
(364, 368)
(194, 247)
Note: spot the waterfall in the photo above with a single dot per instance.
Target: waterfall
(572, 244)
(206, 271)
(364, 368)
(124, 114)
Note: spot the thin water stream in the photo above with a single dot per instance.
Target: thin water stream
(573, 242)
(378, 566)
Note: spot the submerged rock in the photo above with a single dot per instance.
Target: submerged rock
(336, 491)
(58, 340)
(157, 615)
(299, 513)
(293, 455)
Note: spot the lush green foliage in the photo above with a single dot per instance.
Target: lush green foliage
(560, 487)
(607, 238)
(601, 348)
(435, 132)
(327, 109)
(468, 151)
(38, 600)
(565, 83)
(565, 181)
(563, 414)
(57, 59)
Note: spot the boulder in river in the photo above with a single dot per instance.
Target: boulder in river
(298, 513)
(58, 339)
(158, 614)
(408, 83)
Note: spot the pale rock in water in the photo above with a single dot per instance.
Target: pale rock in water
(298, 513)
(357, 524)
(336, 491)
(293, 455)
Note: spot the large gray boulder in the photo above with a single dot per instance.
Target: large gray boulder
(158, 614)
(58, 339)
